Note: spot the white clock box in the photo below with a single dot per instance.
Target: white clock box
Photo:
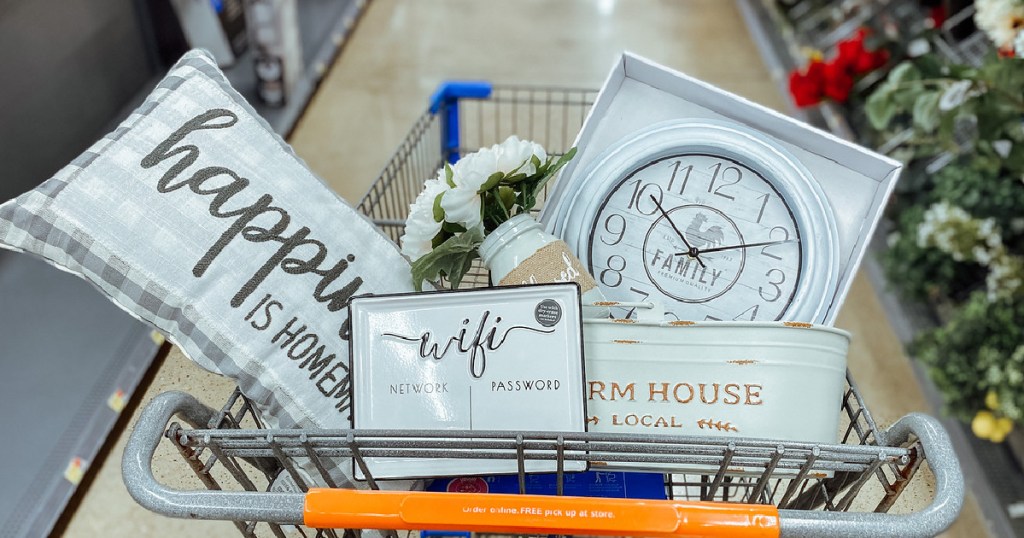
(507, 358)
(638, 93)
(776, 380)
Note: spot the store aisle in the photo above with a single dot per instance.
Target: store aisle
(400, 51)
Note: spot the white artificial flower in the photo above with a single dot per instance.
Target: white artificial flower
(946, 243)
(1003, 147)
(1018, 44)
(955, 95)
(925, 232)
(999, 19)
(989, 233)
(461, 203)
(981, 255)
(892, 239)
(1003, 278)
(513, 153)
(918, 47)
(420, 226)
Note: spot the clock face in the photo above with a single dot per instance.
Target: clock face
(710, 219)
(706, 235)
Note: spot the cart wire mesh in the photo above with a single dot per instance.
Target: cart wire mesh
(235, 453)
(862, 473)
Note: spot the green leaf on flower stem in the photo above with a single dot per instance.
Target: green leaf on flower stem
(1016, 132)
(901, 87)
(926, 111)
(1005, 74)
(494, 210)
(512, 179)
(438, 210)
(906, 98)
(451, 259)
(452, 228)
(880, 109)
(985, 160)
(903, 155)
(930, 66)
(441, 237)
(491, 182)
(549, 173)
(514, 175)
(904, 73)
(993, 115)
(535, 160)
(448, 174)
(528, 196)
(507, 196)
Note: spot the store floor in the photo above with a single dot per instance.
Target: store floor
(380, 85)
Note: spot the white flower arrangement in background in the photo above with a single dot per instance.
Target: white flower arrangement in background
(468, 200)
(952, 230)
(1003, 22)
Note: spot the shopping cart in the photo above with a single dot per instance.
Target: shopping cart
(858, 487)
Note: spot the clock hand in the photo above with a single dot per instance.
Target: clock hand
(748, 245)
(692, 252)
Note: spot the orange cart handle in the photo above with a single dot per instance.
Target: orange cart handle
(535, 514)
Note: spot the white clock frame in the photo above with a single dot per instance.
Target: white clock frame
(820, 260)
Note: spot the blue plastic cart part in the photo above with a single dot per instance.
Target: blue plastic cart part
(446, 99)
(611, 484)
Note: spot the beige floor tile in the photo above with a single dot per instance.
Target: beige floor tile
(403, 50)
(107, 510)
(380, 84)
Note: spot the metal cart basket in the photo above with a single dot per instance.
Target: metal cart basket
(870, 484)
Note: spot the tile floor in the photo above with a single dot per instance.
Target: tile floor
(379, 85)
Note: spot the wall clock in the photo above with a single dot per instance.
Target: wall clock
(709, 218)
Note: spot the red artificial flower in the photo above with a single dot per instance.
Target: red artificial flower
(869, 61)
(807, 88)
(834, 80)
(838, 81)
(855, 59)
(938, 15)
(850, 50)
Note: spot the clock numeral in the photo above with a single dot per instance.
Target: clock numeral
(615, 271)
(764, 204)
(673, 314)
(608, 228)
(711, 318)
(639, 194)
(718, 169)
(774, 284)
(748, 314)
(686, 177)
(771, 237)
(643, 297)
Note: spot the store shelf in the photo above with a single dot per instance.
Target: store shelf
(324, 26)
(990, 470)
(70, 359)
(66, 349)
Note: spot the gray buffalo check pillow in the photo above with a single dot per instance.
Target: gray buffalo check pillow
(196, 217)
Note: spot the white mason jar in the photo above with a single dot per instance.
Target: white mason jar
(520, 252)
